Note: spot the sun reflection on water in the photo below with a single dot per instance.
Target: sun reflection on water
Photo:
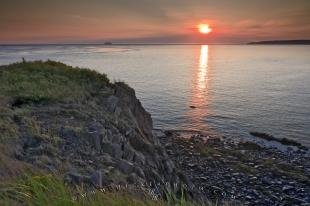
(199, 94)
(203, 66)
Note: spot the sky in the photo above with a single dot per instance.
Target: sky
(152, 21)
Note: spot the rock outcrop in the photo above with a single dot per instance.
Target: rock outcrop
(100, 139)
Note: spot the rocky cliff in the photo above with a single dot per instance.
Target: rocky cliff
(75, 123)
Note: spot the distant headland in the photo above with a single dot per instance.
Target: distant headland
(281, 42)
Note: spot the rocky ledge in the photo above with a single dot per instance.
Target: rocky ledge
(240, 171)
(76, 123)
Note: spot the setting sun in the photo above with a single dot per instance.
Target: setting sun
(204, 28)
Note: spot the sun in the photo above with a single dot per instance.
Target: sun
(204, 28)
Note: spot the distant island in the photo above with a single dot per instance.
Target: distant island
(281, 42)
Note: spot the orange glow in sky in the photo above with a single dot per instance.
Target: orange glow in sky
(146, 21)
(204, 28)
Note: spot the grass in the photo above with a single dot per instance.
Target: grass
(42, 82)
(30, 83)
(123, 85)
(23, 88)
(268, 164)
(51, 191)
(209, 150)
(286, 170)
(8, 128)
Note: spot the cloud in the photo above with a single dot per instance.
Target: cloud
(151, 20)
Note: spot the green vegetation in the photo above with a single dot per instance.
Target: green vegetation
(8, 128)
(240, 163)
(24, 87)
(26, 84)
(209, 150)
(48, 190)
(51, 191)
(42, 82)
(124, 85)
(287, 170)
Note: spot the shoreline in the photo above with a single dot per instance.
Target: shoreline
(271, 142)
(241, 171)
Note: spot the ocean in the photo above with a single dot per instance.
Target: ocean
(228, 90)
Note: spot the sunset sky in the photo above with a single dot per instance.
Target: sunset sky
(152, 21)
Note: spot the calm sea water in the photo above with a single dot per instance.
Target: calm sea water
(234, 89)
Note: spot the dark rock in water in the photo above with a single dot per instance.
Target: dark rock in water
(263, 136)
(283, 141)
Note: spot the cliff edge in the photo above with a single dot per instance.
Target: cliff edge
(76, 123)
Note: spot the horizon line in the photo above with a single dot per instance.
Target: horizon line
(110, 43)
(114, 44)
